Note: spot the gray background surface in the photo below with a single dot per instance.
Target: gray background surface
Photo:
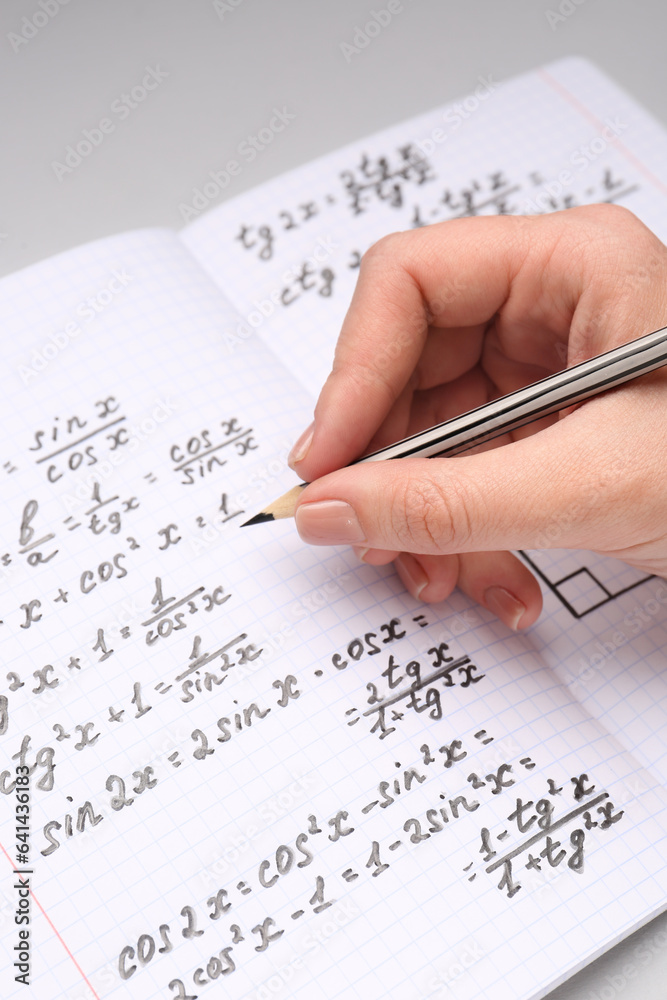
(227, 65)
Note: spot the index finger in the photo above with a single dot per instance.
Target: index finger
(454, 275)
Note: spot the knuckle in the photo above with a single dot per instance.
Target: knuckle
(619, 235)
(432, 517)
(370, 379)
(386, 248)
(609, 214)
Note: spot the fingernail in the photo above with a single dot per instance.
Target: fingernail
(328, 522)
(412, 573)
(360, 551)
(505, 605)
(300, 449)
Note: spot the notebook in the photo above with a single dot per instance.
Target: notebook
(322, 789)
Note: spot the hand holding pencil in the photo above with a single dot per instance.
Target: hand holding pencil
(449, 317)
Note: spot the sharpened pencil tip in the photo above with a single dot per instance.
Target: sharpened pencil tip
(283, 507)
(258, 519)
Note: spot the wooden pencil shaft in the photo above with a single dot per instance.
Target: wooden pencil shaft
(573, 385)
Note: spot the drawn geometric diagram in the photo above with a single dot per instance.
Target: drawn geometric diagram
(577, 587)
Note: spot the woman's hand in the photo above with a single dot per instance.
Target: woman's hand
(448, 317)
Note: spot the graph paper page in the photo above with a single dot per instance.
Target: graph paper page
(253, 766)
(559, 136)
(605, 638)
(287, 252)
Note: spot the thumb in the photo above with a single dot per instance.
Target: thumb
(556, 488)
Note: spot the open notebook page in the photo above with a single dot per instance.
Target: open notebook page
(607, 643)
(255, 765)
(287, 254)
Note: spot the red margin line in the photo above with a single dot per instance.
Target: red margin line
(583, 110)
(50, 923)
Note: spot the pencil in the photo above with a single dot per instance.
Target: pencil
(507, 413)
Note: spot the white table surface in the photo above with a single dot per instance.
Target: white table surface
(226, 69)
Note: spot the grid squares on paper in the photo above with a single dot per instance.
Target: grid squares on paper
(527, 133)
(150, 858)
(577, 586)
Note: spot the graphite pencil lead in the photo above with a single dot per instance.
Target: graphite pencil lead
(283, 507)
(258, 519)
